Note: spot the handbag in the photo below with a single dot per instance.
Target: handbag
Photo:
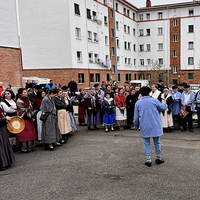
(44, 116)
(183, 113)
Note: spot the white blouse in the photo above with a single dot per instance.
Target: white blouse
(7, 109)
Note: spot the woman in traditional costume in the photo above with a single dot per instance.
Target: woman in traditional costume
(155, 93)
(108, 115)
(81, 107)
(92, 109)
(63, 121)
(25, 110)
(121, 117)
(6, 153)
(50, 130)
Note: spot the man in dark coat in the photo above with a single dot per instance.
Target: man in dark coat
(73, 86)
(32, 95)
(161, 86)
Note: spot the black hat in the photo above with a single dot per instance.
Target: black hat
(161, 80)
(37, 87)
(174, 87)
(64, 87)
(96, 85)
(183, 84)
(186, 86)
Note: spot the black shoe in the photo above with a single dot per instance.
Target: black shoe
(159, 161)
(192, 130)
(57, 144)
(183, 130)
(95, 127)
(89, 128)
(148, 164)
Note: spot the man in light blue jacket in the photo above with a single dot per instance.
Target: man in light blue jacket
(147, 117)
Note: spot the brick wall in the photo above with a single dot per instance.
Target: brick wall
(10, 65)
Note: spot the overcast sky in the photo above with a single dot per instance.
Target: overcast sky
(142, 3)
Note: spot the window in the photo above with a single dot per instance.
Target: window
(141, 33)
(134, 61)
(125, 45)
(134, 31)
(148, 16)
(106, 57)
(175, 81)
(89, 35)
(148, 47)
(105, 2)
(117, 25)
(81, 78)
(148, 32)
(141, 61)
(134, 16)
(175, 38)
(116, 6)
(124, 28)
(90, 55)
(160, 15)
(190, 61)
(174, 53)
(141, 76)
(160, 61)
(78, 32)
(128, 77)
(117, 43)
(129, 61)
(190, 45)
(191, 28)
(89, 14)
(191, 12)
(141, 47)
(118, 60)
(108, 77)
(124, 11)
(91, 78)
(148, 77)
(112, 33)
(113, 51)
(160, 46)
(175, 22)
(97, 78)
(125, 60)
(105, 20)
(128, 29)
(113, 69)
(134, 47)
(111, 13)
(190, 77)
(79, 56)
(94, 15)
(135, 76)
(129, 46)
(175, 70)
(96, 58)
(160, 31)
(128, 13)
(140, 17)
(95, 37)
(119, 78)
(106, 40)
(76, 9)
(148, 61)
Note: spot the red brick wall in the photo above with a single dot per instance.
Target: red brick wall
(10, 65)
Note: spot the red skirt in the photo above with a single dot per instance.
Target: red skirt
(29, 132)
(81, 112)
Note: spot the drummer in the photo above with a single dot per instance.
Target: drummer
(28, 136)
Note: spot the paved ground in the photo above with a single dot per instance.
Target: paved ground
(100, 166)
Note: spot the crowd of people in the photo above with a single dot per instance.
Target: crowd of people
(49, 116)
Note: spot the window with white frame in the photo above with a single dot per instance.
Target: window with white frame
(94, 14)
(190, 60)
(117, 25)
(116, 7)
(90, 55)
(141, 32)
(134, 61)
(107, 56)
(113, 51)
(124, 11)
(191, 28)
(175, 22)
(190, 77)
(89, 35)
(141, 61)
(160, 46)
(141, 76)
(124, 28)
(125, 45)
(160, 31)
(117, 43)
(148, 16)
(134, 16)
(134, 31)
(129, 61)
(148, 77)
(148, 32)
(160, 61)
(111, 13)
(105, 20)
(106, 40)
(174, 53)
(118, 61)
(81, 78)
(112, 33)
(175, 38)
(148, 47)
(92, 78)
(190, 45)
(79, 56)
(129, 46)
(76, 9)
(97, 76)
(126, 61)
(96, 58)
(160, 15)
(105, 2)
(140, 17)
(191, 12)
(175, 70)
(89, 14)
(95, 37)
(128, 29)
(128, 13)
(78, 32)
(148, 61)
(141, 47)
(134, 47)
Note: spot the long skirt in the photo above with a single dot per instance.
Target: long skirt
(167, 119)
(72, 122)
(39, 125)
(29, 132)
(63, 122)
(108, 120)
(91, 119)
(81, 114)
(6, 153)
(121, 118)
(50, 130)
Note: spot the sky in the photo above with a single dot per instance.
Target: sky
(142, 3)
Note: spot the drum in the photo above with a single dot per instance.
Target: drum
(16, 125)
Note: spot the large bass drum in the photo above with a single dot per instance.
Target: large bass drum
(16, 125)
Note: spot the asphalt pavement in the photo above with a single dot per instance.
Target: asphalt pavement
(96, 165)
